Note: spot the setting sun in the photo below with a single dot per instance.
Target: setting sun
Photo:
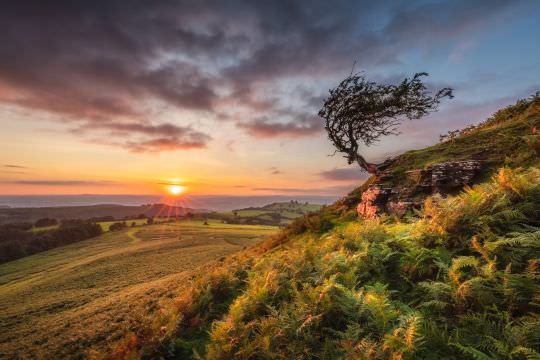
(176, 189)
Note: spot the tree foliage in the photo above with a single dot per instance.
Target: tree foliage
(17, 242)
(361, 111)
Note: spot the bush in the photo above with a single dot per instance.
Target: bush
(117, 226)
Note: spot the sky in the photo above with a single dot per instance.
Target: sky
(125, 97)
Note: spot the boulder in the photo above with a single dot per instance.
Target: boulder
(443, 179)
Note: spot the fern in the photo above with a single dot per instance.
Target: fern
(474, 353)
(531, 239)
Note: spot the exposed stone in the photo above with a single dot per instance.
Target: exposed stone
(448, 176)
(372, 200)
(443, 179)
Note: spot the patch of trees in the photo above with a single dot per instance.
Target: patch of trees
(22, 226)
(117, 226)
(17, 242)
(45, 222)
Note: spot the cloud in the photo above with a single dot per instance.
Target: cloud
(13, 169)
(344, 174)
(107, 65)
(262, 127)
(285, 190)
(61, 182)
(168, 144)
(155, 138)
(274, 171)
(328, 190)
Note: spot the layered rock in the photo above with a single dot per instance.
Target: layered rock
(443, 178)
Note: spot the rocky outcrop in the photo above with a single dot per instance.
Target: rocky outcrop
(443, 178)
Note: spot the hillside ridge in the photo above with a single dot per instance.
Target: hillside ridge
(458, 278)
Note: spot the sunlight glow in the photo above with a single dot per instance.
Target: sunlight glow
(176, 189)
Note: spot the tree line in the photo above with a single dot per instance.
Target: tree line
(16, 241)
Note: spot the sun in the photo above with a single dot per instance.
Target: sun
(176, 189)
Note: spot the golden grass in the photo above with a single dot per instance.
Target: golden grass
(77, 300)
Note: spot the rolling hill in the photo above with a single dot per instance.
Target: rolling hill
(75, 300)
(458, 278)
(12, 215)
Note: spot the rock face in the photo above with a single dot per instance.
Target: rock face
(443, 178)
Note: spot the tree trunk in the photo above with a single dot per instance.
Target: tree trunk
(369, 167)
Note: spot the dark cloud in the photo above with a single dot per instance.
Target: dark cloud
(11, 166)
(274, 171)
(344, 174)
(262, 127)
(105, 65)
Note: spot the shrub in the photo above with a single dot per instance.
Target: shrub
(117, 226)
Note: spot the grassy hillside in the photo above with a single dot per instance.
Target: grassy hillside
(75, 299)
(459, 280)
(506, 138)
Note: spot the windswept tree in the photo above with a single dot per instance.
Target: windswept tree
(359, 111)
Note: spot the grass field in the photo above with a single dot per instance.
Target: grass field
(105, 225)
(280, 213)
(73, 300)
(44, 228)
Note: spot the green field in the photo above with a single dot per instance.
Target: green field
(44, 228)
(76, 299)
(280, 213)
(105, 225)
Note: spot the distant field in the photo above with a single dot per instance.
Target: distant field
(60, 303)
(105, 225)
(44, 228)
(280, 213)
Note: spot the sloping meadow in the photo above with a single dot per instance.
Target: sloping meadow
(460, 280)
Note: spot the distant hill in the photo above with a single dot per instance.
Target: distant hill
(10, 215)
(456, 279)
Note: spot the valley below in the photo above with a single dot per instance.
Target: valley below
(78, 300)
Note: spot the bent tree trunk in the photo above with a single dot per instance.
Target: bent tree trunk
(369, 167)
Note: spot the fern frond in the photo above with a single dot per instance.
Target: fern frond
(528, 353)
(531, 239)
(461, 263)
(474, 353)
